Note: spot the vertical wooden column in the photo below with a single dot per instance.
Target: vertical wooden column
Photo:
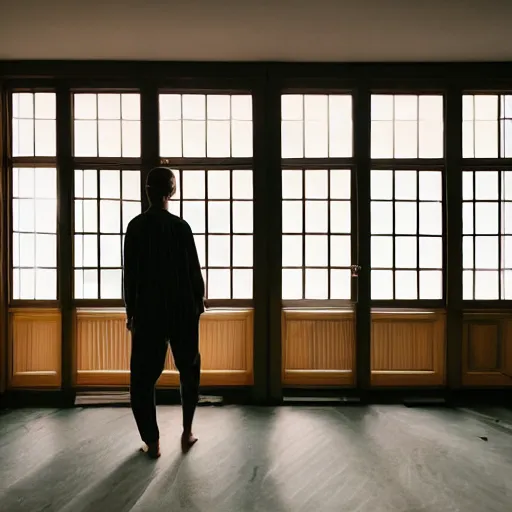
(274, 231)
(65, 183)
(3, 239)
(362, 139)
(262, 221)
(453, 273)
(150, 142)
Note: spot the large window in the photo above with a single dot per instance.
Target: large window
(34, 197)
(106, 131)
(406, 198)
(316, 197)
(487, 198)
(216, 199)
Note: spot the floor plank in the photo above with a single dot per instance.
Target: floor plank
(377, 458)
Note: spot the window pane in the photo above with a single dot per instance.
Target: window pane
(340, 284)
(486, 285)
(381, 284)
(292, 217)
(406, 218)
(316, 184)
(242, 185)
(405, 185)
(406, 284)
(292, 184)
(292, 250)
(111, 284)
(340, 184)
(194, 214)
(316, 216)
(242, 284)
(340, 217)
(219, 284)
(316, 284)
(406, 255)
(218, 217)
(316, 250)
(431, 252)
(219, 185)
(486, 252)
(242, 251)
(381, 218)
(193, 185)
(242, 217)
(110, 251)
(341, 251)
(110, 217)
(431, 285)
(291, 284)
(382, 251)
(218, 251)
(381, 185)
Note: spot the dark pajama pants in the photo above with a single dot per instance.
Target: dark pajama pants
(149, 350)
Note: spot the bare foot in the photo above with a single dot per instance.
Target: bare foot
(152, 450)
(187, 441)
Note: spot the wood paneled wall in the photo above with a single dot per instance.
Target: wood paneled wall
(103, 349)
(487, 350)
(34, 348)
(318, 348)
(408, 349)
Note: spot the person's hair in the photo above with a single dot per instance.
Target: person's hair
(160, 185)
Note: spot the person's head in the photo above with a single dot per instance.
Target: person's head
(160, 186)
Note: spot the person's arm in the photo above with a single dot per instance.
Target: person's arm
(130, 273)
(196, 276)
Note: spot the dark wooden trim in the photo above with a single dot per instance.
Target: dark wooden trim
(274, 235)
(4, 270)
(260, 242)
(65, 189)
(453, 248)
(361, 116)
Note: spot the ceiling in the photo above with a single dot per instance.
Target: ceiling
(257, 30)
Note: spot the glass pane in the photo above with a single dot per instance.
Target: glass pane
(431, 186)
(316, 284)
(382, 284)
(486, 139)
(46, 183)
(46, 284)
(486, 107)
(467, 252)
(486, 218)
(381, 218)
(27, 250)
(23, 137)
(242, 251)
(405, 218)
(219, 251)
(219, 184)
(292, 107)
(46, 215)
(382, 107)
(316, 250)
(506, 252)
(170, 139)
(467, 185)
(506, 139)
(431, 139)
(90, 216)
(291, 284)
(170, 106)
(131, 185)
(506, 285)
(130, 139)
(292, 250)
(406, 139)
(486, 252)
(218, 140)
(316, 184)
(316, 139)
(218, 217)
(200, 241)
(130, 106)
(431, 252)
(340, 217)
(25, 182)
(241, 107)
(26, 212)
(111, 284)
(292, 217)
(86, 138)
(241, 139)
(110, 184)
(382, 139)
(486, 185)
(431, 285)
(219, 284)
(194, 106)
(340, 284)
(340, 184)
(431, 219)
(430, 108)
(382, 185)
(468, 141)
(193, 185)
(341, 251)
(46, 251)
(467, 218)
(292, 184)
(242, 284)
(194, 138)
(90, 284)
(194, 214)
(406, 107)
(86, 250)
(506, 185)
(109, 138)
(110, 251)
(292, 139)
(218, 106)
(405, 184)
(45, 105)
(242, 185)
(340, 126)
(242, 217)
(316, 216)
(110, 217)
(406, 284)
(467, 285)
(382, 252)
(45, 138)
(406, 252)
(506, 217)
(85, 106)
(486, 285)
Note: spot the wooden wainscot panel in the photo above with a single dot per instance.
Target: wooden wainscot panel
(103, 348)
(487, 349)
(318, 347)
(34, 348)
(226, 345)
(408, 348)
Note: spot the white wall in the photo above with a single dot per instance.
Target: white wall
(252, 30)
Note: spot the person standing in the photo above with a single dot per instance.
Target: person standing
(164, 297)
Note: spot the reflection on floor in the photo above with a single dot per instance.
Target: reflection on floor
(379, 458)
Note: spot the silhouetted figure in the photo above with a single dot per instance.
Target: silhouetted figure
(164, 296)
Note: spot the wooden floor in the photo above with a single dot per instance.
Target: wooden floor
(365, 459)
